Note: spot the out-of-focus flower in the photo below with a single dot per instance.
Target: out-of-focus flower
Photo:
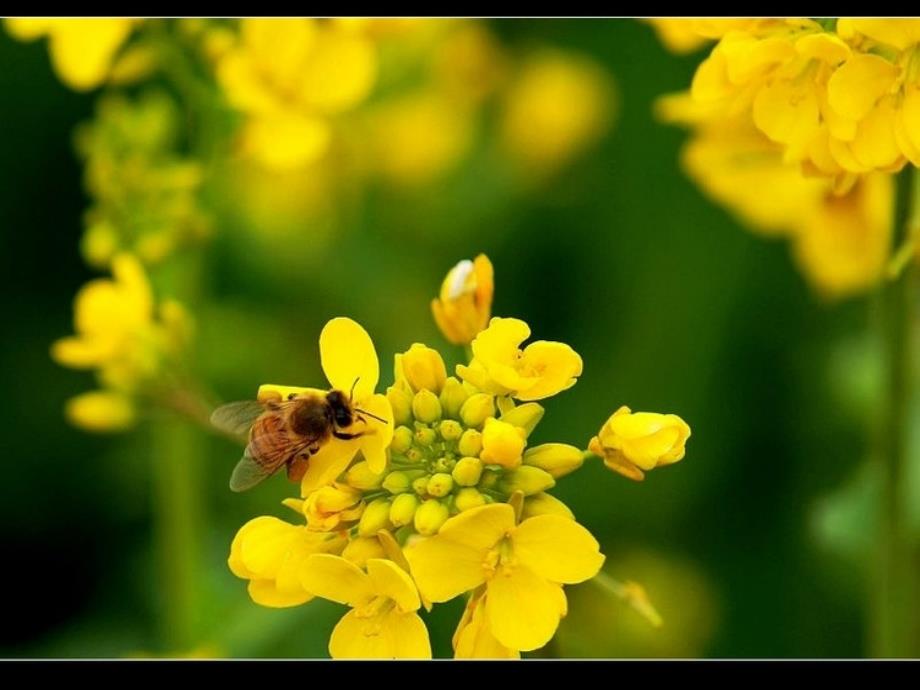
(382, 622)
(558, 105)
(685, 35)
(145, 195)
(633, 443)
(83, 51)
(522, 567)
(290, 77)
(125, 338)
(500, 366)
(465, 304)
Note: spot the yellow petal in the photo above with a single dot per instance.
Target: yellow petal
(856, 86)
(286, 141)
(266, 593)
(326, 466)
(875, 145)
(554, 365)
(391, 581)
(101, 411)
(27, 29)
(348, 356)
(787, 113)
(473, 638)
(557, 548)
(82, 49)
(339, 73)
(451, 562)
(523, 608)
(375, 441)
(335, 578)
(392, 635)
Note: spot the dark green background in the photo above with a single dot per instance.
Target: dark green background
(673, 306)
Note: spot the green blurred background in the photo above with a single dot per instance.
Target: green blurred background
(673, 306)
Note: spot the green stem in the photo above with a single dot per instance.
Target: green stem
(892, 597)
(177, 522)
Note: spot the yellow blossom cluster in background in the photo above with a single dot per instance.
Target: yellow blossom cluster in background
(797, 128)
(448, 495)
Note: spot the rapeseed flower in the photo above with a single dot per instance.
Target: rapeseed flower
(447, 498)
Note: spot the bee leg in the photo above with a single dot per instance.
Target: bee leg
(297, 468)
(345, 436)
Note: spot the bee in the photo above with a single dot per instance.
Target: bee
(286, 432)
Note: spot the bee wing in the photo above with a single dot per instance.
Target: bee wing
(247, 473)
(237, 418)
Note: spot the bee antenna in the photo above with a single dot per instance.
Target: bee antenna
(351, 393)
(379, 419)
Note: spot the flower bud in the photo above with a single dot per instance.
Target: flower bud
(420, 486)
(450, 430)
(430, 516)
(423, 368)
(329, 506)
(360, 477)
(502, 444)
(402, 510)
(401, 402)
(526, 479)
(452, 397)
(526, 416)
(545, 504)
(440, 484)
(414, 455)
(489, 478)
(470, 443)
(425, 437)
(396, 482)
(467, 471)
(468, 498)
(633, 443)
(426, 407)
(361, 549)
(556, 458)
(477, 409)
(465, 302)
(402, 439)
(375, 518)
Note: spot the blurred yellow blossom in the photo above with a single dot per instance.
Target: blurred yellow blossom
(382, 622)
(558, 105)
(633, 443)
(82, 50)
(290, 76)
(464, 306)
(101, 411)
(687, 34)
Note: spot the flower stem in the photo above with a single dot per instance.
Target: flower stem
(892, 594)
(631, 594)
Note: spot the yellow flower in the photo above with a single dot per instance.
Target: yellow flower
(687, 35)
(844, 242)
(350, 363)
(502, 444)
(82, 50)
(422, 367)
(522, 566)
(382, 622)
(499, 366)
(631, 442)
(101, 411)
(329, 506)
(418, 137)
(290, 76)
(473, 638)
(559, 105)
(465, 303)
(271, 554)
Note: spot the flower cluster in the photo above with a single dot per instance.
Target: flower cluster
(127, 339)
(447, 494)
(797, 126)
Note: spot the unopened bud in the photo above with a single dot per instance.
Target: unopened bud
(426, 407)
(420, 486)
(360, 477)
(401, 402)
(430, 516)
(468, 498)
(477, 409)
(467, 471)
(545, 504)
(556, 458)
(470, 443)
(396, 482)
(425, 437)
(452, 397)
(423, 368)
(402, 509)
(402, 439)
(527, 479)
(526, 416)
(450, 430)
(440, 484)
(376, 517)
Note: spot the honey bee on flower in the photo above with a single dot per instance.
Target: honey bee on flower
(444, 495)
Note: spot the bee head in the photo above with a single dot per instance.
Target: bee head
(341, 408)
